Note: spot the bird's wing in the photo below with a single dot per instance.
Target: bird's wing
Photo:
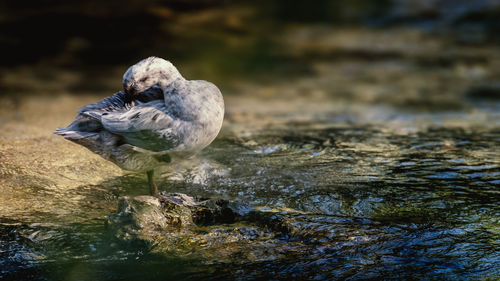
(82, 123)
(119, 102)
(145, 125)
(114, 102)
(143, 116)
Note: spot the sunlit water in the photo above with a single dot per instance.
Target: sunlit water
(366, 200)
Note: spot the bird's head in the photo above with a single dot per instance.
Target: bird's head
(147, 73)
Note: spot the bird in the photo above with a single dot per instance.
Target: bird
(157, 119)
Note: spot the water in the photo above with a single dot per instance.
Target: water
(367, 199)
(379, 147)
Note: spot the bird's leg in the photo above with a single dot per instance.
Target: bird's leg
(153, 189)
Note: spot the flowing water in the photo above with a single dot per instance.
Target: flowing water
(383, 157)
(367, 199)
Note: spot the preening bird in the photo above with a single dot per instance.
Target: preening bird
(157, 118)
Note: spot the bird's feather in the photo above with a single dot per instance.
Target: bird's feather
(146, 125)
(120, 101)
(114, 102)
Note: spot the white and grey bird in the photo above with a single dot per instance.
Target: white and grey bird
(157, 118)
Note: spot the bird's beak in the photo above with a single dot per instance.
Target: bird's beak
(131, 89)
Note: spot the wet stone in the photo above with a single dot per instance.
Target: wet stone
(149, 219)
(143, 216)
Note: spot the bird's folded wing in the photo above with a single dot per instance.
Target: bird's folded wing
(114, 102)
(118, 102)
(146, 125)
(144, 116)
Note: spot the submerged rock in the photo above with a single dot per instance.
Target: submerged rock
(179, 220)
(176, 209)
(184, 225)
(143, 217)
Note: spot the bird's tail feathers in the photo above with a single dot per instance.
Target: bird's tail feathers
(72, 135)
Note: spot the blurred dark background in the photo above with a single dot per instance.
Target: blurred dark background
(51, 46)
